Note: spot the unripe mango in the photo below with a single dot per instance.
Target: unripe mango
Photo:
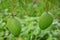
(45, 21)
(14, 26)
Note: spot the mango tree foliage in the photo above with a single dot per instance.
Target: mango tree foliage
(28, 13)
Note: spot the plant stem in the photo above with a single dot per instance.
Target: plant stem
(12, 8)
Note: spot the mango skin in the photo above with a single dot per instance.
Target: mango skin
(45, 21)
(14, 26)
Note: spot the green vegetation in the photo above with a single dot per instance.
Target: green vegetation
(29, 19)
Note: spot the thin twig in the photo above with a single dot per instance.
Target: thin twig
(12, 8)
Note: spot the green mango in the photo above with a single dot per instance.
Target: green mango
(45, 21)
(14, 26)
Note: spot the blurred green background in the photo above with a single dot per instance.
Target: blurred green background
(29, 12)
